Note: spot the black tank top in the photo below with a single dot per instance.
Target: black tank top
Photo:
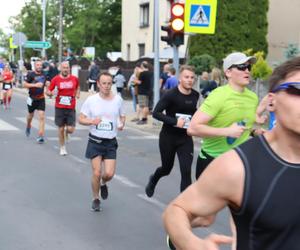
(269, 216)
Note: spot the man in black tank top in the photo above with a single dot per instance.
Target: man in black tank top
(175, 109)
(258, 181)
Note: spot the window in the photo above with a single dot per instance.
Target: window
(128, 51)
(141, 49)
(144, 15)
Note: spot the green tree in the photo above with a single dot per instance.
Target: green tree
(260, 70)
(202, 63)
(240, 25)
(94, 23)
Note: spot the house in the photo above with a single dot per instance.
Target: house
(137, 29)
(138, 38)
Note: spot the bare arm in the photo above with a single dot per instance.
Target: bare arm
(84, 120)
(78, 92)
(122, 122)
(260, 118)
(202, 200)
(199, 127)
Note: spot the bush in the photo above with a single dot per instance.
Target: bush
(202, 63)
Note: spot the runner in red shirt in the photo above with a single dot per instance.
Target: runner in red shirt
(67, 90)
(7, 78)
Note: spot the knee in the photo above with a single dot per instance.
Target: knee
(166, 170)
(109, 175)
(96, 174)
(70, 130)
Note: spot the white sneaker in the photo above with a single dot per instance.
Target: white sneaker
(63, 150)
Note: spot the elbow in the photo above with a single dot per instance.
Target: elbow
(191, 131)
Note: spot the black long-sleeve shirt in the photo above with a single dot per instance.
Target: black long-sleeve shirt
(174, 102)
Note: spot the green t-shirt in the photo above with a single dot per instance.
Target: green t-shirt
(228, 106)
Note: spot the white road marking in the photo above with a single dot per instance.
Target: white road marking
(4, 126)
(78, 126)
(35, 123)
(152, 201)
(126, 181)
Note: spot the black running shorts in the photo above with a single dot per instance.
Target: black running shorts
(106, 148)
(38, 104)
(65, 117)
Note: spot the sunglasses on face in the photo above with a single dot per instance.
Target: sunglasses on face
(242, 67)
(292, 88)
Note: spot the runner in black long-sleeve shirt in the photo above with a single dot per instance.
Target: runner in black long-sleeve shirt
(179, 104)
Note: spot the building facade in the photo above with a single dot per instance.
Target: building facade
(138, 20)
(137, 28)
(284, 19)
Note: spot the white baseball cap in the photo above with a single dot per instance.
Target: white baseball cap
(237, 58)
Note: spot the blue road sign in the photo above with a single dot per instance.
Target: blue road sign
(200, 15)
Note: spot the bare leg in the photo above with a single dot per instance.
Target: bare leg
(96, 176)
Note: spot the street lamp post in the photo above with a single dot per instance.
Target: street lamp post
(44, 26)
(61, 4)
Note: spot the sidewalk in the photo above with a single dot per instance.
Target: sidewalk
(152, 126)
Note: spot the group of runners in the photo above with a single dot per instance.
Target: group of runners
(256, 178)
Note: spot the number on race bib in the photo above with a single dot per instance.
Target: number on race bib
(105, 126)
(65, 100)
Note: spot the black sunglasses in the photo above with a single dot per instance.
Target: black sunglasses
(242, 67)
(292, 88)
(293, 91)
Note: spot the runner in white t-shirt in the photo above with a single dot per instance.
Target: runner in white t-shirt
(104, 113)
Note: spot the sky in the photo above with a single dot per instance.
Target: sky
(10, 8)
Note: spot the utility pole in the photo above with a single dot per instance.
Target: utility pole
(61, 6)
(44, 3)
(156, 52)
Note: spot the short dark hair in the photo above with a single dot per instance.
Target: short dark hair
(104, 73)
(281, 72)
(172, 70)
(187, 67)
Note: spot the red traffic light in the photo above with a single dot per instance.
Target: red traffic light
(177, 16)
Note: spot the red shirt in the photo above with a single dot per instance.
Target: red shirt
(66, 91)
(7, 76)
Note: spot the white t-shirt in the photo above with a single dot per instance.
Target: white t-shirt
(119, 81)
(108, 111)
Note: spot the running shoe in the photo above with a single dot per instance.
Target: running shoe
(27, 132)
(149, 190)
(96, 205)
(63, 150)
(141, 122)
(40, 140)
(104, 191)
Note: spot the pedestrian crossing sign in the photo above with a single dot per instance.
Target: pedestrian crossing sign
(200, 16)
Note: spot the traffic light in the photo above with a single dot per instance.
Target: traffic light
(168, 37)
(177, 24)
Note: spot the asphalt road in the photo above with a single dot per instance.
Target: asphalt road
(46, 198)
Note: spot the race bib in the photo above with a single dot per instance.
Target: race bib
(105, 125)
(187, 119)
(7, 86)
(29, 101)
(65, 100)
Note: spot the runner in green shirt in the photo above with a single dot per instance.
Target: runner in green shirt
(226, 117)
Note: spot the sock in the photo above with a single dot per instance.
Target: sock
(144, 119)
(9, 100)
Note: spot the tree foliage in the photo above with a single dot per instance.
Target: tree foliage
(240, 25)
(95, 23)
(202, 63)
(261, 69)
